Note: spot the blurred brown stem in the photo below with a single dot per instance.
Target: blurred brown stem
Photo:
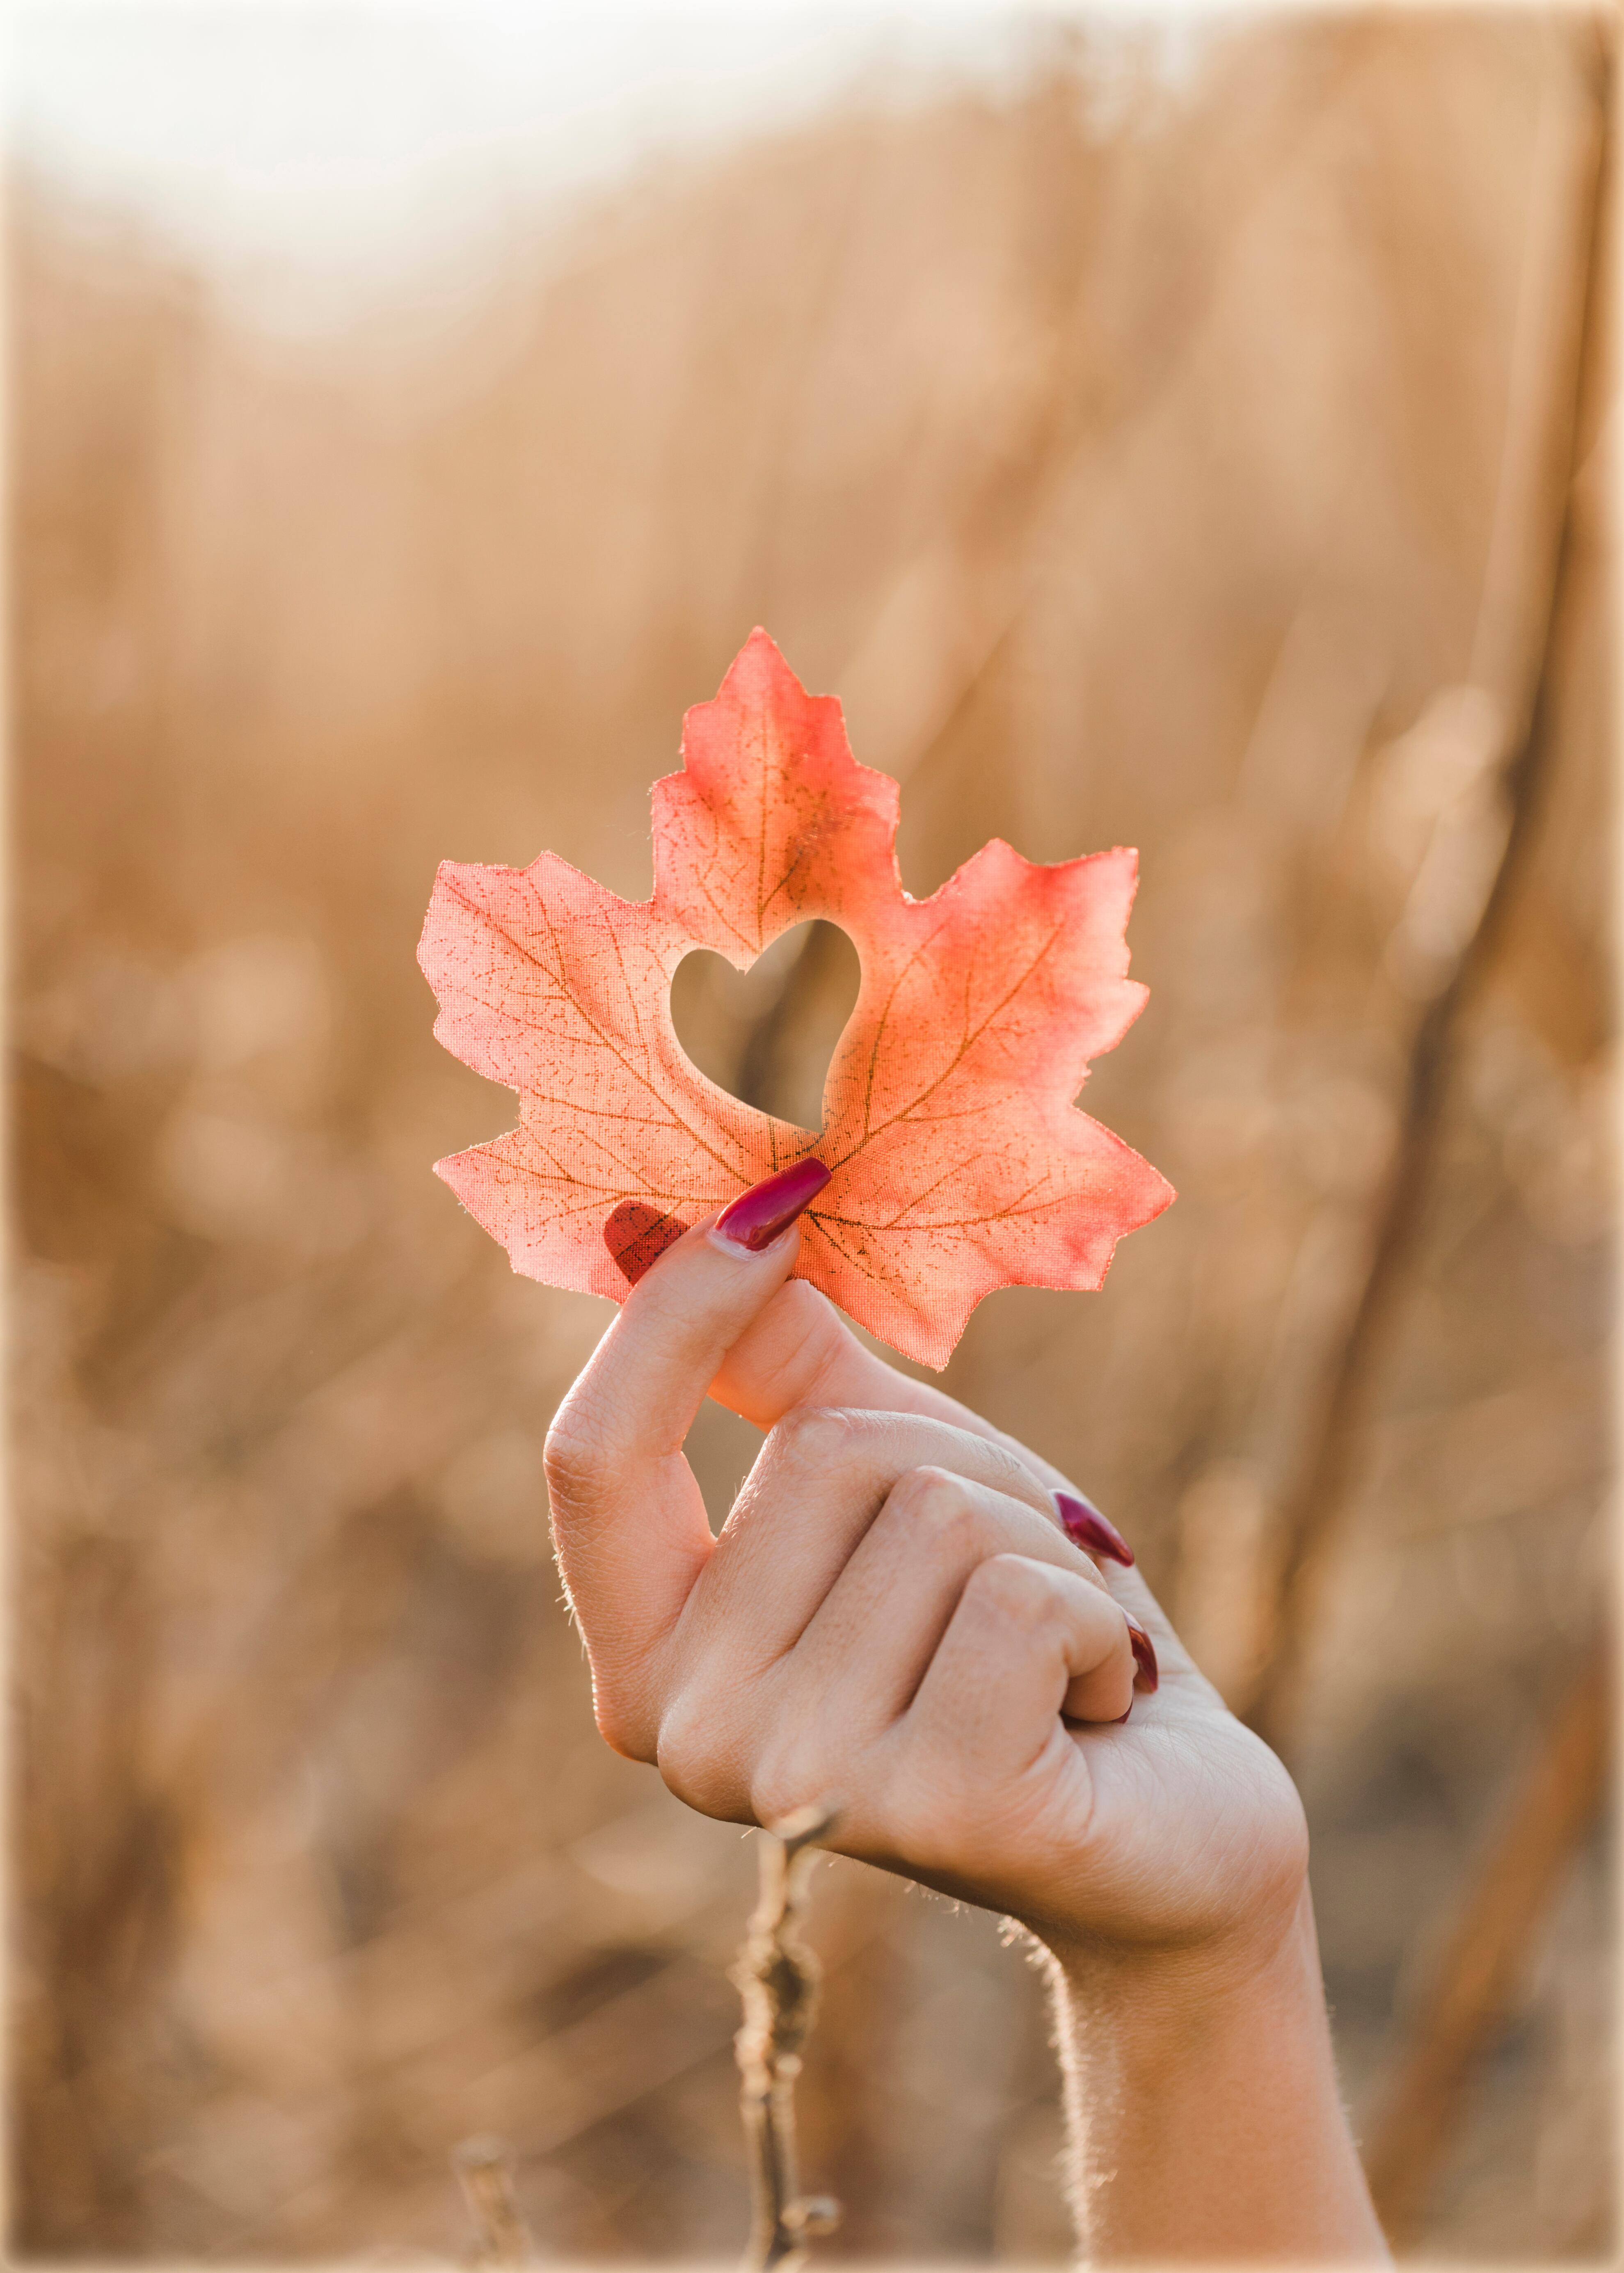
(1313, 1509)
(777, 1976)
(485, 2165)
(1017, 527)
(1548, 1815)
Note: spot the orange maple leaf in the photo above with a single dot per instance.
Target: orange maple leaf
(958, 1161)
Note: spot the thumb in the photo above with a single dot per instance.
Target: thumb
(628, 1521)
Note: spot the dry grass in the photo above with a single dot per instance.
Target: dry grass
(1131, 471)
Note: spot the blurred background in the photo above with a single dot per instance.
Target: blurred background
(1158, 431)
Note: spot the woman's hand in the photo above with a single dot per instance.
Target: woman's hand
(894, 1617)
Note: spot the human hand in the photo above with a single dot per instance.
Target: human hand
(893, 1615)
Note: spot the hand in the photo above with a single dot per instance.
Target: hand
(893, 1615)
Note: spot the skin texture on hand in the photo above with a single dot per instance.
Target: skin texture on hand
(895, 1614)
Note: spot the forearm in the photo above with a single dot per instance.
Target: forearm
(1203, 2114)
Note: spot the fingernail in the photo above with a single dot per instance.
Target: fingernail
(756, 1218)
(1086, 1526)
(1144, 1655)
(1121, 1717)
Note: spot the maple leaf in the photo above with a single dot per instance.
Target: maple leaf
(958, 1161)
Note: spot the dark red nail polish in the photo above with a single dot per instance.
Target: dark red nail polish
(1086, 1527)
(637, 1235)
(1121, 1717)
(1144, 1655)
(756, 1218)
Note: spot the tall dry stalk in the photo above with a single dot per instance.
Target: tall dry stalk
(777, 1976)
(1315, 1504)
(484, 2167)
(1551, 1808)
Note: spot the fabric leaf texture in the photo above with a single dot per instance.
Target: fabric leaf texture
(960, 1161)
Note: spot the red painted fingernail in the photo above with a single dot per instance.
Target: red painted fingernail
(757, 1218)
(1121, 1717)
(1144, 1655)
(1086, 1526)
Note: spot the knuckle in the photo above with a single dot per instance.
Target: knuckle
(934, 1498)
(782, 1780)
(693, 1756)
(621, 1721)
(1014, 1593)
(813, 1436)
(573, 1459)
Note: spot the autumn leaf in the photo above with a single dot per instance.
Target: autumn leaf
(960, 1161)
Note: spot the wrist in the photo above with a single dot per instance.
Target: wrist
(1203, 2109)
(1150, 2000)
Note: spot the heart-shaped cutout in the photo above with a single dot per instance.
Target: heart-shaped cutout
(766, 1035)
(639, 1234)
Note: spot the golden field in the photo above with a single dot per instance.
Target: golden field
(1146, 465)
